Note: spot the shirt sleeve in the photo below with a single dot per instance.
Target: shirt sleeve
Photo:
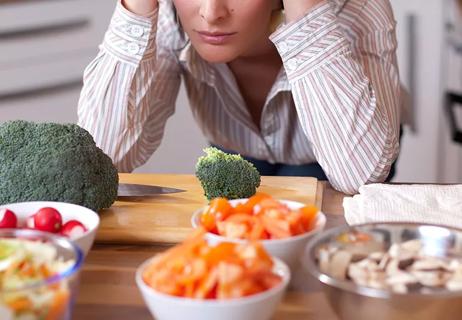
(346, 90)
(130, 88)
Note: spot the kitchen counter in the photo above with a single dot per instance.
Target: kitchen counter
(108, 289)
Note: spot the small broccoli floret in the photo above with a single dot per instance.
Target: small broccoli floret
(54, 162)
(226, 175)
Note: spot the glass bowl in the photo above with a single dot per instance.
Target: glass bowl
(50, 297)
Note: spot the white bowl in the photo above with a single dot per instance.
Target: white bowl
(289, 250)
(260, 306)
(87, 217)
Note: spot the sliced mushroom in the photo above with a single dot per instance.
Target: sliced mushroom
(428, 263)
(399, 288)
(401, 277)
(324, 260)
(403, 268)
(431, 278)
(339, 264)
(377, 256)
(454, 285)
(413, 246)
(357, 274)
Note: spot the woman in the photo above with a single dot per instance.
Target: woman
(319, 95)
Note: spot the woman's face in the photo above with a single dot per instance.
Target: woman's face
(223, 30)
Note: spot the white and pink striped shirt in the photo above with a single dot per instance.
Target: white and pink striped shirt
(335, 101)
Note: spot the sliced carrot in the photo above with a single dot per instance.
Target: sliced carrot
(198, 270)
(59, 305)
(207, 285)
(224, 251)
(20, 304)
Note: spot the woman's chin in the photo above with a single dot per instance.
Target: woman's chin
(217, 55)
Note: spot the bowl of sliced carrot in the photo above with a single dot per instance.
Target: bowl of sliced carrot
(199, 281)
(283, 226)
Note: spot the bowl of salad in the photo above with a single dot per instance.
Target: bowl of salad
(75, 222)
(198, 281)
(282, 226)
(38, 275)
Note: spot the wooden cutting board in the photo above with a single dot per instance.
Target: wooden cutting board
(166, 218)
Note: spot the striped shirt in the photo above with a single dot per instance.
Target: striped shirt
(335, 101)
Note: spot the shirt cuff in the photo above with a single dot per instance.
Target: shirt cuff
(309, 42)
(130, 37)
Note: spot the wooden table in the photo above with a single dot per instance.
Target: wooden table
(108, 289)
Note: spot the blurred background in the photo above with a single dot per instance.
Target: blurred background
(46, 44)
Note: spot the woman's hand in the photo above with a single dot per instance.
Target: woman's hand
(295, 9)
(140, 7)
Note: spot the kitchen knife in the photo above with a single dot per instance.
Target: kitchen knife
(143, 190)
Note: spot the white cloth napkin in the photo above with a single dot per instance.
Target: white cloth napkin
(434, 204)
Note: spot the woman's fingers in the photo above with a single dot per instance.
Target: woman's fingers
(140, 7)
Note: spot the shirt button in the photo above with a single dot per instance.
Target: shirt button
(136, 31)
(133, 48)
(283, 47)
(292, 64)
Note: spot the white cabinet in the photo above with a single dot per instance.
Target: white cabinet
(44, 48)
(182, 144)
(420, 41)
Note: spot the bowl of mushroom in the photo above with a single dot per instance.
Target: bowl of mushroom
(389, 270)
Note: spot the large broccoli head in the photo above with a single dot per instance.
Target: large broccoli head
(54, 162)
(226, 175)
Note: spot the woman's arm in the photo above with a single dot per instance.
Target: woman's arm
(346, 91)
(130, 88)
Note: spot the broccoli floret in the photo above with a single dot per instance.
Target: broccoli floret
(54, 162)
(226, 175)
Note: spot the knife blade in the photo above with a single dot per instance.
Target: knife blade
(143, 190)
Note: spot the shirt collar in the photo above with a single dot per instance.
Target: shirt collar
(207, 72)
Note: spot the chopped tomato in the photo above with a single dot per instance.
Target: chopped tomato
(278, 228)
(221, 208)
(308, 218)
(243, 208)
(208, 221)
(260, 217)
(255, 200)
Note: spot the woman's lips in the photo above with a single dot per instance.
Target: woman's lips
(215, 38)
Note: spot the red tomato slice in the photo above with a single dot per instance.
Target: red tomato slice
(221, 208)
(277, 228)
(208, 221)
(309, 214)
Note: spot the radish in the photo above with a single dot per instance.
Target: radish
(73, 229)
(48, 219)
(8, 219)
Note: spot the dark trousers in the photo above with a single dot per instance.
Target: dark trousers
(303, 170)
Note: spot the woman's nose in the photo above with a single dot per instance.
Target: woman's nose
(213, 10)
